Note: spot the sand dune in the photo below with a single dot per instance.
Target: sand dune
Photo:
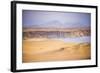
(54, 50)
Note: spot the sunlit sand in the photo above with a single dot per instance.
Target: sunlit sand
(37, 50)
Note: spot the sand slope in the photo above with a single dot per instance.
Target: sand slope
(54, 50)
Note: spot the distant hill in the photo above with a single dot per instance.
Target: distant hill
(58, 24)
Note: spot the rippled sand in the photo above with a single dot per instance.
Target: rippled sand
(37, 50)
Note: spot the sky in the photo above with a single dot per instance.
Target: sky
(55, 19)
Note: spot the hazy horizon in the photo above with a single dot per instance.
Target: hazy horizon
(52, 19)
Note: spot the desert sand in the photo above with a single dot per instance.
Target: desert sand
(40, 50)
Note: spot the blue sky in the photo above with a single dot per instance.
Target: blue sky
(52, 19)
